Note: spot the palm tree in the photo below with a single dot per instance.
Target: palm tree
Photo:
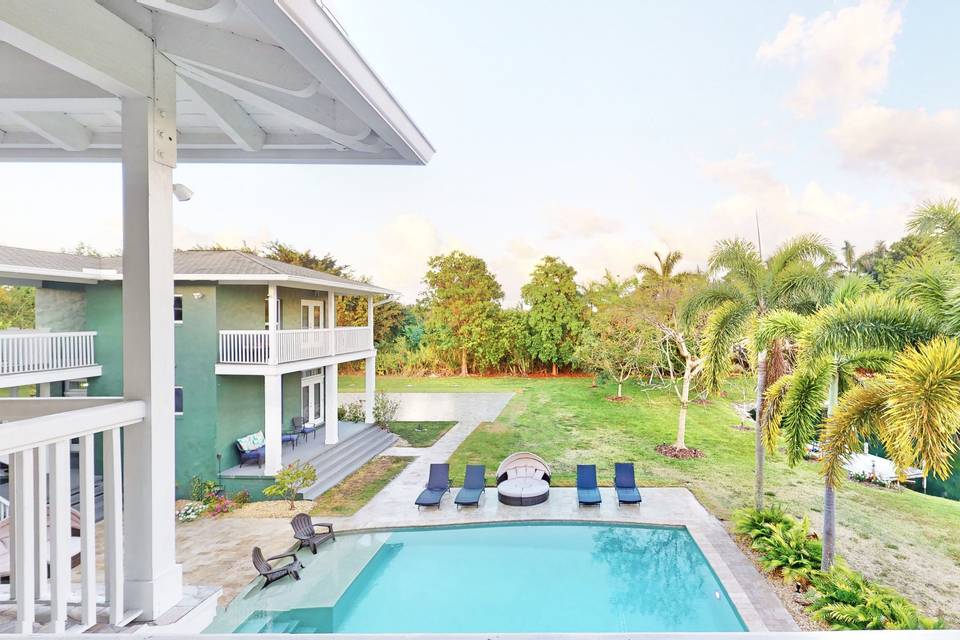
(796, 277)
(939, 219)
(860, 330)
(848, 258)
(662, 275)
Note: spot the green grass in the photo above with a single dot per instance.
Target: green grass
(567, 421)
(359, 487)
(421, 434)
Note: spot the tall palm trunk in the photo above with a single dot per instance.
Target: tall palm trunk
(684, 402)
(759, 451)
(829, 495)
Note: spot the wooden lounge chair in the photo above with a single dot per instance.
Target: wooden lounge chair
(437, 484)
(305, 531)
(271, 573)
(473, 486)
(624, 480)
(587, 491)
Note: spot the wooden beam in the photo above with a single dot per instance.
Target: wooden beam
(233, 55)
(83, 39)
(58, 128)
(228, 115)
(313, 114)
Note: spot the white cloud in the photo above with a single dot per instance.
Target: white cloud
(399, 251)
(579, 223)
(842, 56)
(914, 145)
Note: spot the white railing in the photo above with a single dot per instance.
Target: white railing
(29, 352)
(41, 552)
(4, 508)
(253, 347)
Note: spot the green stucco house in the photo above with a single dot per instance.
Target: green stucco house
(257, 350)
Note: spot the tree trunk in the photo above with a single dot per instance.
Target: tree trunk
(463, 362)
(554, 368)
(759, 451)
(829, 494)
(684, 402)
(619, 389)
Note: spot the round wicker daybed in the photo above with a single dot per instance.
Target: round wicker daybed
(523, 479)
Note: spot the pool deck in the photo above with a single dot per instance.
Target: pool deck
(217, 551)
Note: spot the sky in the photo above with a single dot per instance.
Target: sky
(597, 132)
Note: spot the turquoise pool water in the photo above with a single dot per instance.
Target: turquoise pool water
(504, 578)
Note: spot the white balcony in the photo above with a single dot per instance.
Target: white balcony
(36, 357)
(292, 345)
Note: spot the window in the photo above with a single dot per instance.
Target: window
(178, 308)
(178, 401)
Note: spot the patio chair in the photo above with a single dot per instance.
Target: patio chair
(271, 573)
(624, 480)
(473, 486)
(305, 531)
(587, 491)
(291, 436)
(251, 448)
(437, 484)
(300, 425)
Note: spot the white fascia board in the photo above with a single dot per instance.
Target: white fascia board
(43, 377)
(299, 282)
(309, 34)
(17, 272)
(290, 367)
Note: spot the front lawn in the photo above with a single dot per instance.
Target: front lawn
(900, 538)
(359, 487)
(421, 434)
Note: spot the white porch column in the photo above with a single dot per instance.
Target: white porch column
(152, 577)
(272, 325)
(369, 387)
(331, 427)
(272, 423)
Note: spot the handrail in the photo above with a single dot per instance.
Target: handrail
(20, 435)
(33, 351)
(291, 345)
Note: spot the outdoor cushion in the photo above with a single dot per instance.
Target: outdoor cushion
(251, 442)
(523, 488)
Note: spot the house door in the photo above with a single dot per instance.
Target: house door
(311, 314)
(312, 396)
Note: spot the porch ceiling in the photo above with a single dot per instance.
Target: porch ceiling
(257, 81)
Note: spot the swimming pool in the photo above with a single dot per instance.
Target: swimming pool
(530, 577)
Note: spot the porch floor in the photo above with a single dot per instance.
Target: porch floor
(305, 450)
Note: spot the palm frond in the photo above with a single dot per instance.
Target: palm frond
(707, 299)
(725, 325)
(859, 413)
(779, 324)
(803, 406)
(870, 322)
(926, 280)
(740, 260)
(851, 287)
(773, 401)
(936, 218)
(800, 285)
(810, 247)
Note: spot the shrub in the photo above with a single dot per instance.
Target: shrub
(191, 512)
(753, 523)
(200, 488)
(241, 497)
(790, 550)
(847, 601)
(290, 481)
(352, 412)
(384, 409)
(219, 504)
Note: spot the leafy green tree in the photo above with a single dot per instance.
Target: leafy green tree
(514, 332)
(610, 289)
(463, 302)
(290, 481)
(940, 221)
(557, 312)
(17, 307)
(795, 277)
(663, 275)
(616, 344)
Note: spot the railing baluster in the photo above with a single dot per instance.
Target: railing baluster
(59, 535)
(23, 508)
(88, 519)
(113, 523)
(41, 522)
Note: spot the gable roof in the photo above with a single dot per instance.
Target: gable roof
(223, 266)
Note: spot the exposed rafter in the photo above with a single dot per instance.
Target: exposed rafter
(111, 54)
(218, 11)
(233, 55)
(228, 115)
(311, 114)
(58, 128)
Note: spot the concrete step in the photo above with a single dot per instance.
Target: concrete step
(335, 464)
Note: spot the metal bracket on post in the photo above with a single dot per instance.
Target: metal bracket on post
(165, 110)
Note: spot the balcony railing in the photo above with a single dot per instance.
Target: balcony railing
(32, 352)
(292, 345)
